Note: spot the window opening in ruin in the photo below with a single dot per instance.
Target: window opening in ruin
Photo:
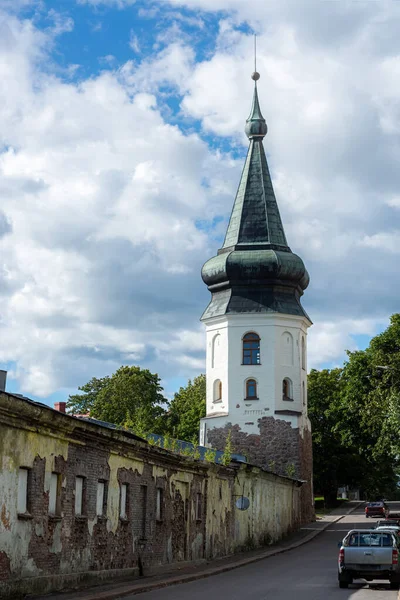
(101, 498)
(55, 494)
(23, 491)
(251, 349)
(79, 495)
(123, 510)
(143, 508)
(159, 504)
(199, 506)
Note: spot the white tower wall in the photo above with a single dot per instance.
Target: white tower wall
(281, 357)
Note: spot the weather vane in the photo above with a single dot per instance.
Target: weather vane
(255, 76)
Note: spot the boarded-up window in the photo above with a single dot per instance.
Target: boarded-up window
(54, 494)
(199, 506)
(143, 509)
(23, 477)
(123, 512)
(79, 492)
(159, 504)
(101, 498)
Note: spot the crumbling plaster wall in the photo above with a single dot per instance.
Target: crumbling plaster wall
(274, 508)
(41, 552)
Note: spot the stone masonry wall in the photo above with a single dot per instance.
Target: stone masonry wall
(278, 448)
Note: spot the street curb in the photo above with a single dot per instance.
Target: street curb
(147, 587)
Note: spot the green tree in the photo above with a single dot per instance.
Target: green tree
(186, 409)
(371, 385)
(331, 458)
(355, 416)
(131, 397)
(81, 404)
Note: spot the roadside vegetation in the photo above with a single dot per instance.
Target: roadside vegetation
(355, 418)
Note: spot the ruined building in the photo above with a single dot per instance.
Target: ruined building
(82, 501)
(257, 330)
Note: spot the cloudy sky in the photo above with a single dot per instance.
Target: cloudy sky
(121, 147)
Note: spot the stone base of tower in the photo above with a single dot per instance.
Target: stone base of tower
(278, 447)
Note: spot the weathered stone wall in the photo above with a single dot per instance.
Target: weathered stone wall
(40, 552)
(278, 448)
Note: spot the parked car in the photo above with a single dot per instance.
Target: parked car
(369, 554)
(377, 509)
(388, 523)
(393, 529)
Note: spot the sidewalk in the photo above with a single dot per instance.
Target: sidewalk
(190, 572)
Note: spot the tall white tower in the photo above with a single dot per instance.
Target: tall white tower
(257, 329)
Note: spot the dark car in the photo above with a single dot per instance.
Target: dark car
(388, 523)
(376, 509)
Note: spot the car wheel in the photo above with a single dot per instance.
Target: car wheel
(343, 584)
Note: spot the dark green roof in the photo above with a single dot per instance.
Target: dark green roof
(255, 271)
(255, 217)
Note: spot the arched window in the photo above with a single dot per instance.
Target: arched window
(287, 389)
(303, 393)
(215, 351)
(217, 392)
(303, 353)
(251, 349)
(251, 389)
(287, 349)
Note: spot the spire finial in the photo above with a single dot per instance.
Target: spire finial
(255, 76)
(256, 126)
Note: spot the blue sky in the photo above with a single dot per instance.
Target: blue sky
(122, 144)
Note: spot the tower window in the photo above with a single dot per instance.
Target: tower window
(217, 395)
(287, 349)
(216, 351)
(304, 393)
(251, 349)
(251, 389)
(303, 353)
(287, 393)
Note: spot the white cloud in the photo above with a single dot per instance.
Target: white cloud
(386, 241)
(103, 200)
(328, 340)
(134, 42)
(98, 239)
(111, 3)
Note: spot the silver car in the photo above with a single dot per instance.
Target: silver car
(369, 554)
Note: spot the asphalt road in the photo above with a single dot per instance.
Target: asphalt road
(307, 573)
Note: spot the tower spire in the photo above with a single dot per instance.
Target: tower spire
(255, 270)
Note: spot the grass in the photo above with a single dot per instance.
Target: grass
(321, 509)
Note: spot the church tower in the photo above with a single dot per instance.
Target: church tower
(256, 328)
